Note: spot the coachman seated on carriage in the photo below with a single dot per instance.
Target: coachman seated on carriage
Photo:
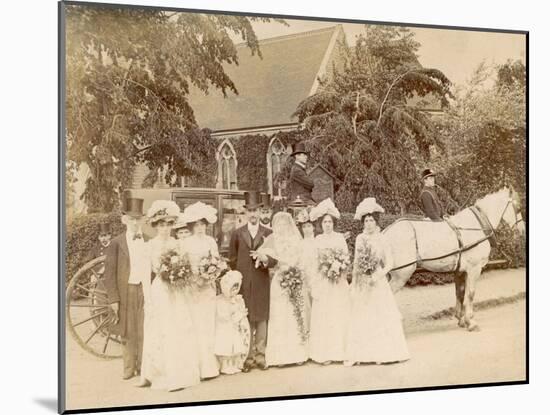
(431, 206)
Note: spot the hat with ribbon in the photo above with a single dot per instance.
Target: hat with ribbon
(427, 173)
(367, 206)
(326, 207)
(198, 211)
(166, 210)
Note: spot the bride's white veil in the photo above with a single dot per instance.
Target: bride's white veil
(285, 241)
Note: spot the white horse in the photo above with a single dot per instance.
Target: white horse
(435, 246)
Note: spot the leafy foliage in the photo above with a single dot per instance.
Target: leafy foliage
(82, 235)
(360, 124)
(251, 156)
(129, 72)
(485, 134)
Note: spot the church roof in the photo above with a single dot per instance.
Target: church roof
(270, 88)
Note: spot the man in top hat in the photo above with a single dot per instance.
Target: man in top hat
(431, 206)
(104, 239)
(126, 266)
(300, 185)
(244, 243)
(265, 210)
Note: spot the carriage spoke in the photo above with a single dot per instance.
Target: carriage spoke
(89, 305)
(96, 330)
(94, 315)
(106, 343)
(100, 292)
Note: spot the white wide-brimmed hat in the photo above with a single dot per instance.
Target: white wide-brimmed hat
(326, 207)
(198, 211)
(162, 210)
(180, 222)
(367, 206)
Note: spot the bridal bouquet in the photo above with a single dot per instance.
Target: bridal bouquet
(367, 263)
(210, 268)
(291, 282)
(333, 264)
(175, 269)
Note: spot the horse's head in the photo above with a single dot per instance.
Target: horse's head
(503, 205)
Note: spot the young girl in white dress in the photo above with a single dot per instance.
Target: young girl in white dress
(330, 307)
(287, 331)
(375, 332)
(170, 355)
(203, 296)
(232, 328)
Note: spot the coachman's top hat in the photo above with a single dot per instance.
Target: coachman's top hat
(299, 148)
(133, 207)
(427, 173)
(252, 200)
(104, 229)
(266, 200)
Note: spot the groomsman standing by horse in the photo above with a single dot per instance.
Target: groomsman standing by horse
(126, 266)
(431, 206)
(255, 288)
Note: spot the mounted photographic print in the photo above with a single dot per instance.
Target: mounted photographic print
(249, 202)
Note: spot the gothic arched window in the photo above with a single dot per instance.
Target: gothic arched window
(276, 158)
(227, 166)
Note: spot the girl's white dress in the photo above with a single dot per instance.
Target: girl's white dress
(232, 341)
(285, 344)
(170, 355)
(375, 332)
(203, 303)
(330, 308)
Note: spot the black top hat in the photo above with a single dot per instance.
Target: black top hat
(104, 229)
(133, 207)
(252, 199)
(266, 200)
(427, 173)
(299, 148)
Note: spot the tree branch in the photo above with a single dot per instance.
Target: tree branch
(395, 81)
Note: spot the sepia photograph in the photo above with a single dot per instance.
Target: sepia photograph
(271, 207)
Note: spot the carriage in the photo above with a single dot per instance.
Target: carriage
(89, 316)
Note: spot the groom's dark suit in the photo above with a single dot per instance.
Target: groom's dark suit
(130, 299)
(255, 285)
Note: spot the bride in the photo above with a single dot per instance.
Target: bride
(287, 329)
(170, 355)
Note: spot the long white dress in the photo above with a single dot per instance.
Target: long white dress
(330, 308)
(170, 354)
(287, 341)
(203, 304)
(375, 331)
(309, 265)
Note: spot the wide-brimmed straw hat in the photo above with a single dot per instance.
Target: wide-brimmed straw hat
(198, 211)
(166, 210)
(326, 207)
(366, 207)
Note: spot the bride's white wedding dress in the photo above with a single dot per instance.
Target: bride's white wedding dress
(170, 353)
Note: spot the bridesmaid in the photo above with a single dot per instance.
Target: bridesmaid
(330, 307)
(203, 303)
(170, 356)
(308, 260)
(375, 332)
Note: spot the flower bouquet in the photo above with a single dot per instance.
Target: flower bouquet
(367, 264)
(333, 264)
(175, 269)
(291, 282)
(210, 268)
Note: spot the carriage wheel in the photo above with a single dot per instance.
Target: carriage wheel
(89, 315)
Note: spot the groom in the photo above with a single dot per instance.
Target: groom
(125, 267)
(255, 285)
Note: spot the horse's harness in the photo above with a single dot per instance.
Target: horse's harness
(485, 226)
